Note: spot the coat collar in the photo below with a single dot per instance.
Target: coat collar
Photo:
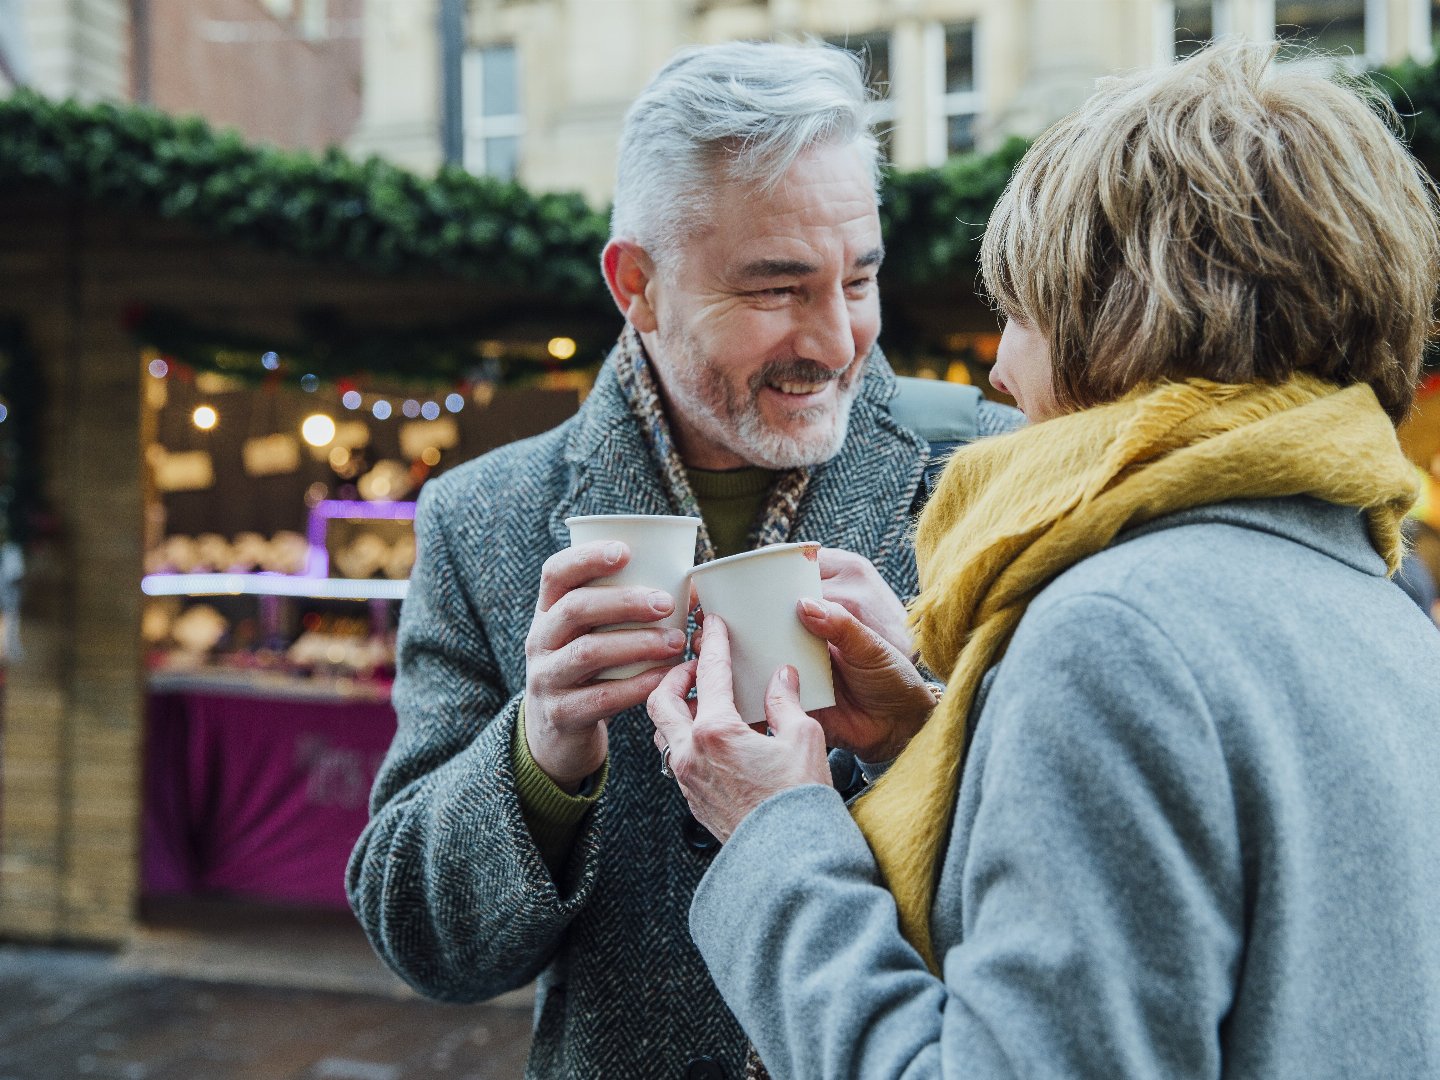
(1337, 531)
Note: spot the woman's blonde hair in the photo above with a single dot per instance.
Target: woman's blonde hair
(1229, 218)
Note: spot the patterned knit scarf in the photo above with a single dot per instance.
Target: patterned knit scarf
(637, 383)
(774, 525)
(1012, 513)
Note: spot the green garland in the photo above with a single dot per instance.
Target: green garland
(381, 218)
(376, 216)
(365, 213)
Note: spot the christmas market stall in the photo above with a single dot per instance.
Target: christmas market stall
(225, 373)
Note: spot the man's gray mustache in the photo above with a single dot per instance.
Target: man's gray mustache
(801, 371)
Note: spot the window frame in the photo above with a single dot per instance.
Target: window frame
(941, 104)
(478, 128)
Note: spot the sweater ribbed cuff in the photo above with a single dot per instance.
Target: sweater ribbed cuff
(552, 814)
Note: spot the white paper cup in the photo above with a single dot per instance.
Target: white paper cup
(662, 551)
(755, 592)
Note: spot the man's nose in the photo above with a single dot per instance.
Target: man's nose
(826, 333)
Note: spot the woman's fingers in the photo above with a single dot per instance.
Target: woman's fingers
(713, 678)
(852, 639)
(669, 711)
(782, 701)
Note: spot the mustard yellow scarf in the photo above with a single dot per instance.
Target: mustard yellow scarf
(1012, 513)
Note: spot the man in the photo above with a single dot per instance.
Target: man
(521, 826)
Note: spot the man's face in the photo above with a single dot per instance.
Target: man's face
(764, 319)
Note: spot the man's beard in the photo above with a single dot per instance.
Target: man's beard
(732, 418)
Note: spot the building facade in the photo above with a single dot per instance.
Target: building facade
(285, 72)
(541, 86)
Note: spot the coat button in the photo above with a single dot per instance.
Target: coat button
(699, 838)
(703, 1068)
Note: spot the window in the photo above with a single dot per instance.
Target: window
(874, 52)
(955, 90)
(1333, 26)
(314, 18)
(1196, 23)
(493, 122)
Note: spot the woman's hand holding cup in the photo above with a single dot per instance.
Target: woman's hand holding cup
(881, 699)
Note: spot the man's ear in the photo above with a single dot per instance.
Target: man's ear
(630, 273)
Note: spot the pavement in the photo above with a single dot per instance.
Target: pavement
(235, 992)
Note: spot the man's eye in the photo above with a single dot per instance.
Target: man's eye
(859, 285)
(778, 292)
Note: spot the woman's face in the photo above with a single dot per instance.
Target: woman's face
(1022, 370)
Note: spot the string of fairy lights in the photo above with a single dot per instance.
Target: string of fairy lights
(319, 428)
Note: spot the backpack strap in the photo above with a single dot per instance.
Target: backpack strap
(944, 414)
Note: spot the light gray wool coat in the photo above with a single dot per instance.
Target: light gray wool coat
(446, 880)
(1198, 835)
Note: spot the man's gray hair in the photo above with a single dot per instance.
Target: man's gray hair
(737, 112)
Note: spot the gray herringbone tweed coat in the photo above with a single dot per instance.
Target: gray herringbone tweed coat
(446, 879)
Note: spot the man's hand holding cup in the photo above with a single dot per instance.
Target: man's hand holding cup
(609, 622)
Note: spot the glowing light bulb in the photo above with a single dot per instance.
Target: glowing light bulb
(205, 417)
(318, 430)
(351, 400)
(430, 410)
(561, 348)
(454, 402)
(381, 409)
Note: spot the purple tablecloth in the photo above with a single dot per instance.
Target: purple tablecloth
(257, 797)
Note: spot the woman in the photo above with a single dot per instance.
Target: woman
(1174, 813)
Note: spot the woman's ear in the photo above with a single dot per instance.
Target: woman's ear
(630, 274)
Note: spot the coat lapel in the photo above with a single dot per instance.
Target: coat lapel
(611, 470)
(861, 499)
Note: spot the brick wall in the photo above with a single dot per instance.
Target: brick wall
(240, 66)
(69, 859)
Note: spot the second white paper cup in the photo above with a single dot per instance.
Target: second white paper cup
(662, 551)
(755, 592)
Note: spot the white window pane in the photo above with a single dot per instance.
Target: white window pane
(502, 157)
(499, 81)
(960, 58)
(1329, 25)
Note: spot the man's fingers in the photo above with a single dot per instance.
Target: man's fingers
(584, 705)
(590, 654)
(572, 567)
(582, 610)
